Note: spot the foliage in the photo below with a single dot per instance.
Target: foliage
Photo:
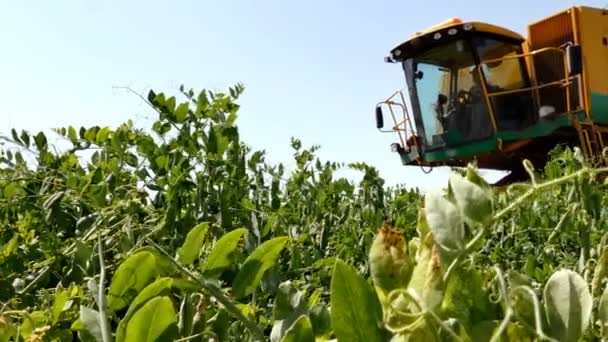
(183, 232)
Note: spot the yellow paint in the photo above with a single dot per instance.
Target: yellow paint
(586, 26)
(489, 28)
(477, 26)
(592, 27)
(444, 24)
(582, 25)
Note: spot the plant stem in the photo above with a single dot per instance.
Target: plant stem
(503, 326)
(467, 249)
(215, 292)
(67, 251)
(188, 338)
(537, 313)
(101, 296)
(550, 183)
(420, 303)
(561, 223)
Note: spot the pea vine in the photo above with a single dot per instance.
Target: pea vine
(182, 232)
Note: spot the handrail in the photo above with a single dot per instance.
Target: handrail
(525, 54)
(564, 82)
(400, 125)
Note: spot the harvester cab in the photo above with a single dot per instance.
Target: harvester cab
(479, 92)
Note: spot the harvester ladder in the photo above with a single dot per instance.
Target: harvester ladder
(593, 140)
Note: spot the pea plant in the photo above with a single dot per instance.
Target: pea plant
(182, 232)
(433, 287)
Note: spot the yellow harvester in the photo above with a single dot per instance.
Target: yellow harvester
(477, 91)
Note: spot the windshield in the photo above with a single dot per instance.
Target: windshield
(451, 108)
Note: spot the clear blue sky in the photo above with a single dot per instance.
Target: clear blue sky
(313, 69)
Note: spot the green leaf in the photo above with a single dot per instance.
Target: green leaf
(289, 304)
(287, 300)
(102, 135)
(321, 321)
(155, 321)
(11, 247)
(355, 309)
(473, 176)
(33, 321)
(231, 119)
(568, 305)
(13, 190)
(15, 136)
(473, 201)
(25, 138)
(221, 257)
(467, 304)
(170, 104)
(72, 135)
(523, 306)
(160, 287)
(91, 134)
(482, 331)
(40, 141)
(59, 304)
(300, 331)
(212, 141)
(132, 276)
(444, 221)
(181, 113)
(8, 330)
(89, 319)
(151, 96)
(159, 100)
(252, 271)
(191, 248)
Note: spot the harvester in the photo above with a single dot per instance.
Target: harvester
(481, 93)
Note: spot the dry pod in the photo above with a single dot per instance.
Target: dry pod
(390, 263)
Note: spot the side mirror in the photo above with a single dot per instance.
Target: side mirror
(574, 56)
(379, 117)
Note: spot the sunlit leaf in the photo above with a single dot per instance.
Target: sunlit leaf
(221, 257)
(444, 221)
(181, 112)
(132, 276)
(161, 287)
(154, 321)
(61, 298)
(252, 271)
(102, 135)
(300, 331)
(195, 240)
(473, 201)
(350, 293)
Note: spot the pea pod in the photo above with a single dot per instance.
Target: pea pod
(390, 264)
(186, 316)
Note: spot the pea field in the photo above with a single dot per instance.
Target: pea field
(185, 233)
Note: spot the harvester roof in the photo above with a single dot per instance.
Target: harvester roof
(438, 34)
